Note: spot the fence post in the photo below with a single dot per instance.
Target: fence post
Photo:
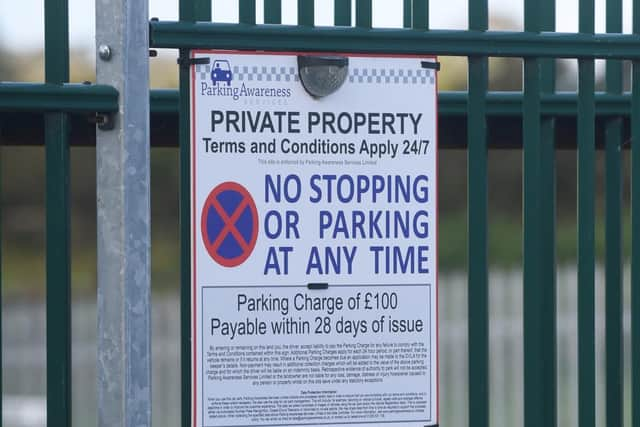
(190, 11)
(58, 228)
(124, 351)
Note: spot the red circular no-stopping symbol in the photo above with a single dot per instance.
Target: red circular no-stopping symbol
(229, 224)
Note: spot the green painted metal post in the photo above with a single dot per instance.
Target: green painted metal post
(191, 11)
(1, 346)
(532, 295)
(272, 12)
(407, 13)
(419, 19)
(364, 14)
(635, 229)
(613, 230)
(420, 14)
(305, 13)
(342, 12)
(247, 12)
(613, 310)
(478, 280)
(537, 411)
(57, 222)
(185, 241)
(548, 227)
(58, 270)
(586, 228)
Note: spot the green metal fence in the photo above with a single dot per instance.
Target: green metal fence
(538, 120)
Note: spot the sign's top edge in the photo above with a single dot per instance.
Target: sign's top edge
(310, 53)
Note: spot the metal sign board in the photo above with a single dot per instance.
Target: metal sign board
(314, 239)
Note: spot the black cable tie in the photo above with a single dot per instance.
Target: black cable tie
(318, 286)
(431, 65)
(187, 62)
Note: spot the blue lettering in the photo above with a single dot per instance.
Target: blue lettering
(314, 261)
(292, 188)
(315, 188)
(325, 222)
(273, 229)
(334, 262)
(378, 187)
(273, 261)
(398, 260)
(341, 226)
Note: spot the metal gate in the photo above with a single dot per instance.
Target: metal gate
(539, 120)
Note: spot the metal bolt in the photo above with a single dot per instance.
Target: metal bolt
(104, 52)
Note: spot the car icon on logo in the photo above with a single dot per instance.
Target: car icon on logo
(221, 72)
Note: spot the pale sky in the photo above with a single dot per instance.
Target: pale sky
(21, 21)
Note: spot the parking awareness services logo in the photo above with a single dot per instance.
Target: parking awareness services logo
(229, 224)
(222, 79)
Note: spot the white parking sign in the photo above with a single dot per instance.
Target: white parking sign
(314, 239)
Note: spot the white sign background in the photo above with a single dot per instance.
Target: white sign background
(304, 376)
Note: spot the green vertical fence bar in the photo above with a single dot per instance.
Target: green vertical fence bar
(586, 227)
(58, 264)
(635, 229)
(185, 257)
(533, 367)
(272, 11)
(58, 270)
(342, 12)
(1, 347)
(478, 281)
(407, 13)
(613, 236)
(547, 312)
(305, 12)
(536, 411)
(364, 14)
(247, 12)
(420, 14)
(190, 11)
(185, 241)
(415, 14)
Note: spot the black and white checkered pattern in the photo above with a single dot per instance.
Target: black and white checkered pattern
(356, 75)
(391, 76)
(204, 71)
(254, 73)
(266, 74)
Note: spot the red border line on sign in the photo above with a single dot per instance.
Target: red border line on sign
(437, 135)
(193, 53)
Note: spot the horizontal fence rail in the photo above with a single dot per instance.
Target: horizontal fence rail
(499, 103)
(67, 97)
(21, 123)
(72, 98)
(179, 35)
